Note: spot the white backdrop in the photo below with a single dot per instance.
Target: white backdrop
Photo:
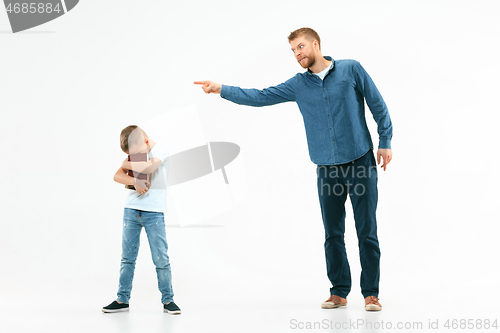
(68, 87)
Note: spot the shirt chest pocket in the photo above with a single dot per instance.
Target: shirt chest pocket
(340, 90)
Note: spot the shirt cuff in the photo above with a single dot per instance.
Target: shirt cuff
(384, 143)
(224, 91)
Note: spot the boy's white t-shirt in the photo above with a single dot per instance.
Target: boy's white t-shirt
(155, 199)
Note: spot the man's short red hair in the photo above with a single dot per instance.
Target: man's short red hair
(308, 33)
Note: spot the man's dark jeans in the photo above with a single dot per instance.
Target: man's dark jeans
(358, 179)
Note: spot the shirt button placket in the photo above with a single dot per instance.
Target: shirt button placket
(326, 101)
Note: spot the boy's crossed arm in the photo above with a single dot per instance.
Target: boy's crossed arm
(142, 167)
(141, 186)
(122, 177)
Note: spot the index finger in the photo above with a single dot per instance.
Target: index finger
(199, 82)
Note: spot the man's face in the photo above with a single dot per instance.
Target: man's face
(304, 51)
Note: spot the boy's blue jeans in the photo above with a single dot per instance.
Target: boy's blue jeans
(358, 179)
(154, 223)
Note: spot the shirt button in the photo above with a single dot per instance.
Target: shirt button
(326, 101)
(332, 141)
(328, 114)
(331, 127)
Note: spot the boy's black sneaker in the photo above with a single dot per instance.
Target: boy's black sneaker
(115, 307)
(171, 308)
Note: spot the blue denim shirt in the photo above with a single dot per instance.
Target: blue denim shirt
(333, 110)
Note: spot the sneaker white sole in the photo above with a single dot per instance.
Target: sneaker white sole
(372, 307)
(116, 310)
(329, 305)
(172, 312)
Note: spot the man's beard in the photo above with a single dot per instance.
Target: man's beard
(311, 62)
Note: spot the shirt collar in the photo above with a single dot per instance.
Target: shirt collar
(332, 66)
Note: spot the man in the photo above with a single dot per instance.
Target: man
(330, 96)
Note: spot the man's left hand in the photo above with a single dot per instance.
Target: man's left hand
(386, 155)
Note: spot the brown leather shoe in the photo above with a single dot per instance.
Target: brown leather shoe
(372, 304)
(334, 302)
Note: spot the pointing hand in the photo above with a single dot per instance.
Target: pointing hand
(210, 87)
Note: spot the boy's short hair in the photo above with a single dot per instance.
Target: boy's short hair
(308, 33)
(130, 135)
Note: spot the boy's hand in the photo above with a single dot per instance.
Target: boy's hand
(210, 87)
(126, 164)
(141, 186)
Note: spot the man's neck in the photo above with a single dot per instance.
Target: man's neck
(320, 65)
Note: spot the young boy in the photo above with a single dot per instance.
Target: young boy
(144, 207)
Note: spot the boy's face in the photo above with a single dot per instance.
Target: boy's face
(139, 147)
